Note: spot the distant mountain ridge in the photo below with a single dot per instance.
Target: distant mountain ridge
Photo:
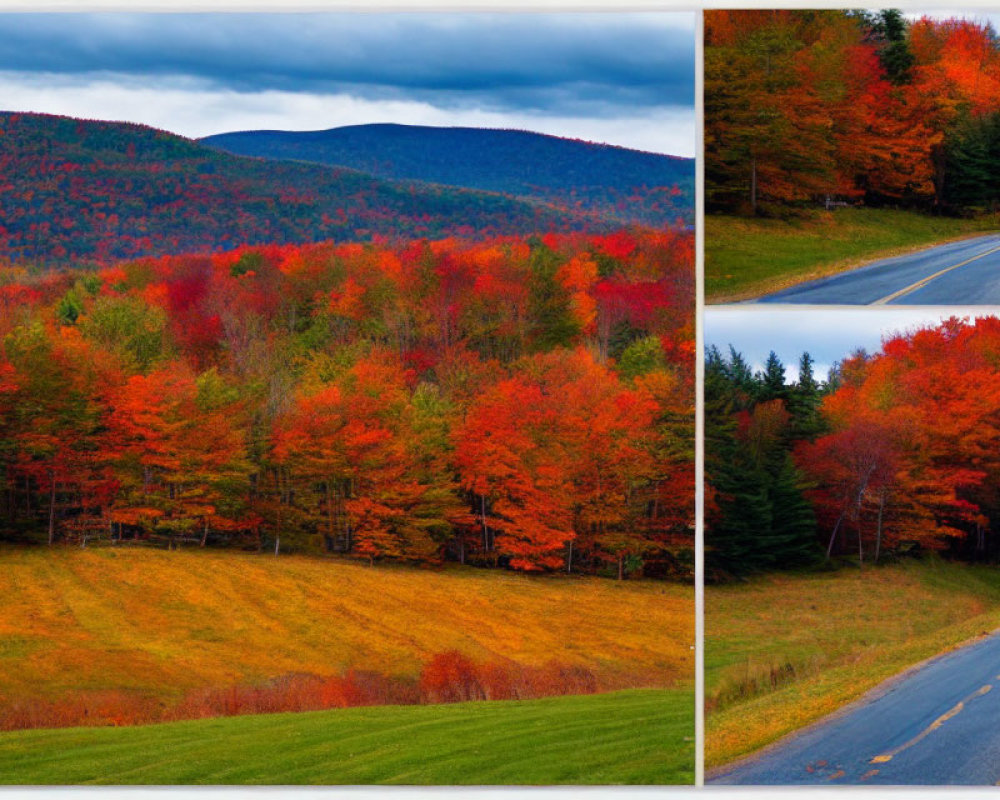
(73, 190)
(625, 185)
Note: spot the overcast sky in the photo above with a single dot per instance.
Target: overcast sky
(625, 79)
(827, 334)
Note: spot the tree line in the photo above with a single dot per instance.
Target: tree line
(805, 107)
(524, 402)
(896, 453)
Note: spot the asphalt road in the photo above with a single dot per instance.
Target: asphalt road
(937, 725)
(959, 273)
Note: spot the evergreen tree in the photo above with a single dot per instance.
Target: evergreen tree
(743, 519)
(771, 382)
(760, 519)
(791, 541)
(888, 28)
(741, 509)
(743, 386)
(803, 402)
(972, 163)
(548, 301)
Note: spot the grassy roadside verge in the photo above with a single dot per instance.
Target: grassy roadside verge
(785, 650)
(640, 736)
(746, 258)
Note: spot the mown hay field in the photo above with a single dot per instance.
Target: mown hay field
(162, 624)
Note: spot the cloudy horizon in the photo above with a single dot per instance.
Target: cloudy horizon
(620, 79)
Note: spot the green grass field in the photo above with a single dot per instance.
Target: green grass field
(785, 650)
(639, 736)
(746, 257)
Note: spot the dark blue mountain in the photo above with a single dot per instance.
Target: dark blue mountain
(621, 184)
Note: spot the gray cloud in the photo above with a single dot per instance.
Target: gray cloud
(191, 107)
(567, 63)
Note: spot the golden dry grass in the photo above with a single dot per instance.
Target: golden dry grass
(828, 638)
(164, 623)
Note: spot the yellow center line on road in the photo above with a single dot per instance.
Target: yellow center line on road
(924, 281)
(952, 712)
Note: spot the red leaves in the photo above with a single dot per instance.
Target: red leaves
(352, 439)
(555, 454)
(958, 58)
(174, 446)
(916, 434)
(636, 302)
(506, 454)
(453, 678)
(620, 245)
(8, 378)
(384, 401)
(799, 107)
(450, 678)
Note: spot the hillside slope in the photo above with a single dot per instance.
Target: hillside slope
(622, 184)
(159, 624)
(74, 190)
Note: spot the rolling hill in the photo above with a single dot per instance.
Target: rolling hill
(625, 185)
(75, 190)
(135, 632)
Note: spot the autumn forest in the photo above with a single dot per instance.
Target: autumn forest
(895, 454)
(807, 107)
(347, 389)
(524, 402)
(360, 390)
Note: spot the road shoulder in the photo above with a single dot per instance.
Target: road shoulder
(781, 283)
(715, 773)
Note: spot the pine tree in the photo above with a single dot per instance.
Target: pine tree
(741, 378)
(740, 510)
(736, 532)
(759, 518)
(771, 382)
(888, 28)
(803, 402)
(549, 303)
(791, 541)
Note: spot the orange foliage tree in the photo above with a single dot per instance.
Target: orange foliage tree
(520, 401)
(805, 106)
(915, 439)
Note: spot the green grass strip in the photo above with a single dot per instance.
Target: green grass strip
(630, 737)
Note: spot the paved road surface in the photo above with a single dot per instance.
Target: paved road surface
(965, 272)
(938, 725)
